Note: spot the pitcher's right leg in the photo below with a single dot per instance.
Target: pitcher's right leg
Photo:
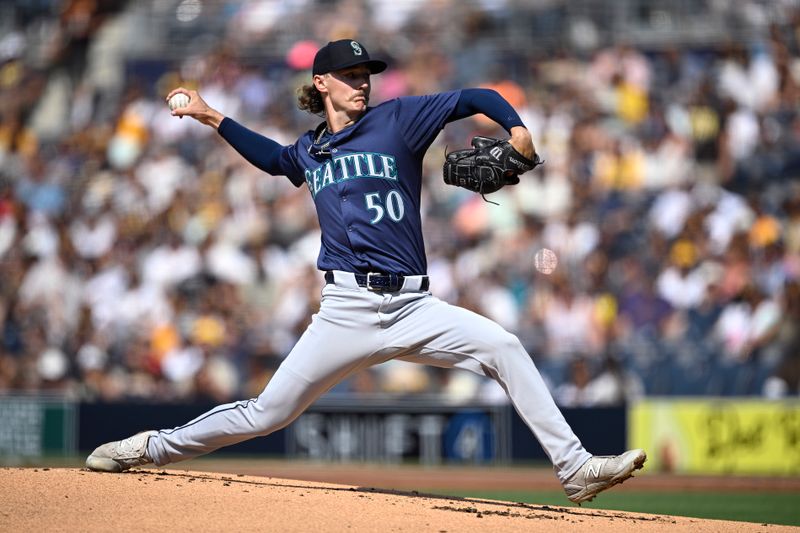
(284, 399)
(326, 353)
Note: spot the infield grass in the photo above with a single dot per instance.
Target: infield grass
(761, 507)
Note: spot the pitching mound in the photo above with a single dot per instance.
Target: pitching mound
(42, 499)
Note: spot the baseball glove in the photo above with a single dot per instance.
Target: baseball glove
(487, 167)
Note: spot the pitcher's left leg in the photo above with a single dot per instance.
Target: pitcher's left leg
(444, 335)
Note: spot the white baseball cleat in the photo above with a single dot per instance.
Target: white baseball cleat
(120, 455)
(602, 472)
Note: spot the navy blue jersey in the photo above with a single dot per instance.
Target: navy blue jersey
(365, 181)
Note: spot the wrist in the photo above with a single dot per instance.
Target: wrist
(214, 118)
(522, 142)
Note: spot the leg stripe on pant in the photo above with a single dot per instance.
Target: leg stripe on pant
(212, 413)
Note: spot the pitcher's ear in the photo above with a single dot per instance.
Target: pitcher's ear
(320, 82)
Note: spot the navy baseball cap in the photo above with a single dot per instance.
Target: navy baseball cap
(344, 53)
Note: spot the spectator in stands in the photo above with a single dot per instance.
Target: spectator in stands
(670, 194)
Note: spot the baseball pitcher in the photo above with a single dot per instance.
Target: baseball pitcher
(362, 166)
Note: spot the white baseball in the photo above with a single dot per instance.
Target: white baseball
(177, 101)
(545, 261)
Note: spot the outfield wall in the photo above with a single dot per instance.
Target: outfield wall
(716, 436)
(682, 435)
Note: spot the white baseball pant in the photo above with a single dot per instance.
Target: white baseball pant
(356, 328)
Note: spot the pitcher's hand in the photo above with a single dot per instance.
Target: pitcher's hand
(198, 109)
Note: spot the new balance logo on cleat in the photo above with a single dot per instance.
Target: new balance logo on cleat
(593, 470)
(602, 472)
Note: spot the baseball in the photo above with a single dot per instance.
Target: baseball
(177, 101)
(545, 261)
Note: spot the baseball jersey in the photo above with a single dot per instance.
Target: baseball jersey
(366, 181)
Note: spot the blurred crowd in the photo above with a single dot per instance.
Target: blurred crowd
(143, 259)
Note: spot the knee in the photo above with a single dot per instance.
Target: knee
(506, 347)
(509, 344)
(271, 414)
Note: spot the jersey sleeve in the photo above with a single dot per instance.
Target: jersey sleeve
(262, 152)
(490, 103)
(289, 162)
(421, 118)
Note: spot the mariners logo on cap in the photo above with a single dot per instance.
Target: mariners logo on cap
(356, 48)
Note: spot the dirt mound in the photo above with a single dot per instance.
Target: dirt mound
(63, 499)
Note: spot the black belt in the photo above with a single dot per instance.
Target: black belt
(381, 282)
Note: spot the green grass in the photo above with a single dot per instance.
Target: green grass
(761, 506)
